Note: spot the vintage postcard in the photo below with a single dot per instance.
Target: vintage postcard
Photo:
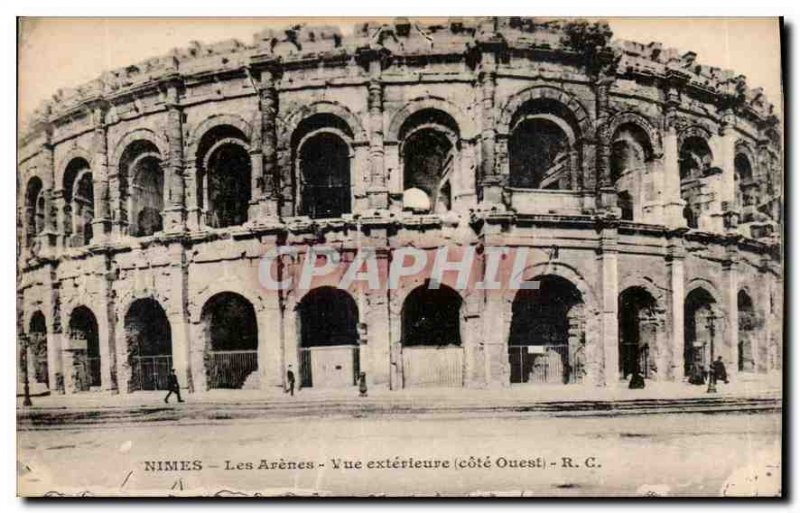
(496, 256)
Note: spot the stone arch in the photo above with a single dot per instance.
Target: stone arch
(708, 285)
(198, 301)
(690, 131)
(649, 285)
(296, 117)
(545, 92)
(65, 161)
(562, 270)
(147, 333)
(634, 118)
(127, 299)
(466, 126)
(218, 120)
(135, 135)
(641, 323)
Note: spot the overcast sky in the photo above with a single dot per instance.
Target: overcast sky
(66, 52)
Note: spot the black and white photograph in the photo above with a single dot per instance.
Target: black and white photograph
(487, 256)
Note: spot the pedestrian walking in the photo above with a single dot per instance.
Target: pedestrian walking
(173, 386)
(696, 374)
(718, 370)
(290, 381)
(637, 380)
(362, 384)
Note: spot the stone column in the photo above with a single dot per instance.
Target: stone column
(270, 357)
(378, 192)
(48, 238)
(730, 290)
(671, 194)
(675, 311)
(177, 312)
(491, 183)
(266, 177)
(106, 321)
(607, 199)
(101, 224)
(174, 209)
(190, 194)
(610, 304)
(725, 156)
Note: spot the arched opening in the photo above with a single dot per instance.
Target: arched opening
(701, 331)
(328, 319)
(547, 340)
(34, 210)
(149, 338)
(746, 187)
(324, 161)
(84, 349)
(638, 326)
(695, 159)
(428, 151)
(141, 181)
(78, 203)
(38, 348)
(224, 174)
(542, 148)
(229, 322)
(631, 154)
(747, 332)
(431, 337)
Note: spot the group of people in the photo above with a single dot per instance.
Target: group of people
(698, 373)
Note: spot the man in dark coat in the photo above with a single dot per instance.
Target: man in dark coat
(718, 368)
(173, 387)
(290, 381)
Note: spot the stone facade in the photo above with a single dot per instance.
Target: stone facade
(647, 186)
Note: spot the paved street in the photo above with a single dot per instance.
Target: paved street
(507, 453)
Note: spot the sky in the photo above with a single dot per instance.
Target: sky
(65, 52)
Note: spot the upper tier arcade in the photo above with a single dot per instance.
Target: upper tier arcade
(500, 118)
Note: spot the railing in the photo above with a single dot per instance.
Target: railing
(544, 364)
(433, 366)
(230, 369)
(150, 372)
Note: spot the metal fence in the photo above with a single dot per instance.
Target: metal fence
(544, 364)
(433, 366)
(151, 372)
(229, 369)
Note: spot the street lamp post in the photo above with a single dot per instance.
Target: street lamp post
(26, 389)
(712, 378)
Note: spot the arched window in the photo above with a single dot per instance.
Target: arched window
(149, 337)
(631, 153)
(34, 210)
(83, 333)
(546, 340)
(701, 330)
(324, 176)
(78, 203)
(428, 149)
(329, 357)
(695, 159)
(142, 189)
(322, 157)
(746, 189)
(229, 321)
(38, 347)
(747, 332)
(637, 332)
(224, 174)
(432, 317)
(542, 148)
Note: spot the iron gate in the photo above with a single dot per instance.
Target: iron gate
(307, 363)
(229, 369)
(545, 364)
(151, 372)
